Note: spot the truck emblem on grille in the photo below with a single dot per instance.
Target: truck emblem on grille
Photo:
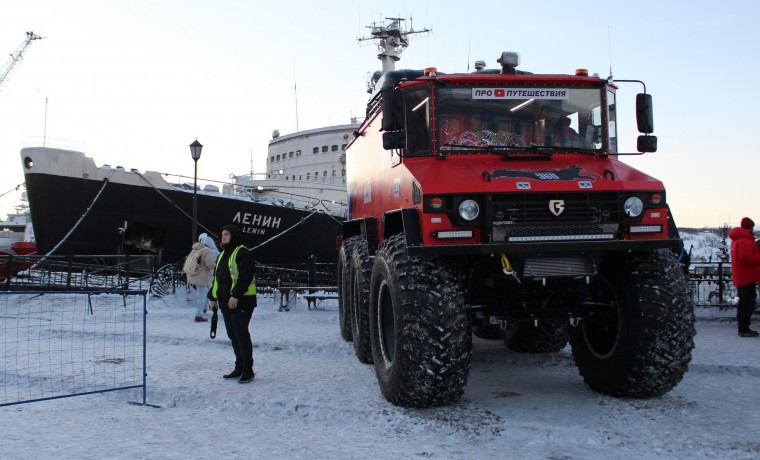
(556, 206)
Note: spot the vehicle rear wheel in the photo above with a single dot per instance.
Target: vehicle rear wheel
(344, 277)
(548, 336)
(361, 271)
(637, 329)
(419, 329)
(487, 331)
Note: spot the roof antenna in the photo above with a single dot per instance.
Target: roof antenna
(469, 42)
(609, 47)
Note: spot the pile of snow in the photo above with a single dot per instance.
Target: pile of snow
(313, 399)
(706, 245)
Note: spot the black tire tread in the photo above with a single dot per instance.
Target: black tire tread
(433, 333)
(658, 334)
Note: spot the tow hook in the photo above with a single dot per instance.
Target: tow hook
(506, 267)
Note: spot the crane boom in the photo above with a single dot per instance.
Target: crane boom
(16, 56)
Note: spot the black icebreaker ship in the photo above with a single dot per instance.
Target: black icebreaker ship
(79, 208)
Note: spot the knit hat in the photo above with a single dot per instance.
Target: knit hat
(748, 224)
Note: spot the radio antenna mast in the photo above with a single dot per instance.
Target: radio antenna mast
(391, 40)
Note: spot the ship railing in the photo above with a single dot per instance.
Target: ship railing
(77, 272)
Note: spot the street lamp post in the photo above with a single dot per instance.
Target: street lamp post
(195, 152)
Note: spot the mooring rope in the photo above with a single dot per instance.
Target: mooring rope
(79, 222)
(13, 189)
(212, 233)
(174, 204)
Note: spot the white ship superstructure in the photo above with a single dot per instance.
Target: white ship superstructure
(305, 170)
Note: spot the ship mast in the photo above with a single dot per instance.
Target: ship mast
(391, 40)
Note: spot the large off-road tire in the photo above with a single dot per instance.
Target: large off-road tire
(361, 271)
(637, 329)
(548, 336)
(344, 284)
(419, 328)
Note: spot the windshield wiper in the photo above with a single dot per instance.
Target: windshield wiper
(485, 146)
(559, 148)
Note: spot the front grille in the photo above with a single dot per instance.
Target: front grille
(576, 216)
(558, 266)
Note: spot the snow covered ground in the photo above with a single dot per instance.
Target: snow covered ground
(312, 399)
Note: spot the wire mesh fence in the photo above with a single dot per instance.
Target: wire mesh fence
(62, 344)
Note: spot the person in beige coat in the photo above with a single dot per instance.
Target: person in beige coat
(205, 249)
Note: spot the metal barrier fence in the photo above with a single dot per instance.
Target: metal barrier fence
(65, 273)
(712, 284)
(63, 344)
(108, 272)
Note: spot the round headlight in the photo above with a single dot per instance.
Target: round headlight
(633, 207)
(469, 210)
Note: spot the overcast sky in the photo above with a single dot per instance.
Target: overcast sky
(136, 82)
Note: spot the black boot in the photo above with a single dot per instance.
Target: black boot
(237, 372)
(246, 376)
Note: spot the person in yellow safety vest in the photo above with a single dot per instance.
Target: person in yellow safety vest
(234, 292)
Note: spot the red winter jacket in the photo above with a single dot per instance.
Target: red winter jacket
(745, 257)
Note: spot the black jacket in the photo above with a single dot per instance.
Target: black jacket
(246, 269)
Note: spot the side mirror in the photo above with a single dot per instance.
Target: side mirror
(392, 110)
(646, 144)
(644, 116)
(393, 140)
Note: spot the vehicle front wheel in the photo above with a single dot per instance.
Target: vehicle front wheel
(637, 328)
(419, 328)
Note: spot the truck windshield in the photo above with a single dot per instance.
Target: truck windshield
(561, 119)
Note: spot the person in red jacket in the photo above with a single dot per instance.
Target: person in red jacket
(745, 266)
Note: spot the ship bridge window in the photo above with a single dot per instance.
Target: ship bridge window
(343, 147)
(290, 155)
(324, 148)
(271, 160)
(334, 148)
(278, 157)
(308, 176)
(316, 150)
(335, 173)
(298, 153)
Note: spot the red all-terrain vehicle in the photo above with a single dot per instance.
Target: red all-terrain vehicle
(495, 203)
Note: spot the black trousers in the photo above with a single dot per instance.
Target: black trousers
(746, 306)
(236, 323)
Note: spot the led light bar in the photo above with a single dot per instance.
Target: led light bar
(442, 234)
(519, 239)
(645, 228)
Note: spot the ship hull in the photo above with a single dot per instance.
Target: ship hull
(116, 212)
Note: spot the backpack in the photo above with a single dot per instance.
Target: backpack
(192, 264)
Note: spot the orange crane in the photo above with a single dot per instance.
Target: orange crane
(16, 56)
